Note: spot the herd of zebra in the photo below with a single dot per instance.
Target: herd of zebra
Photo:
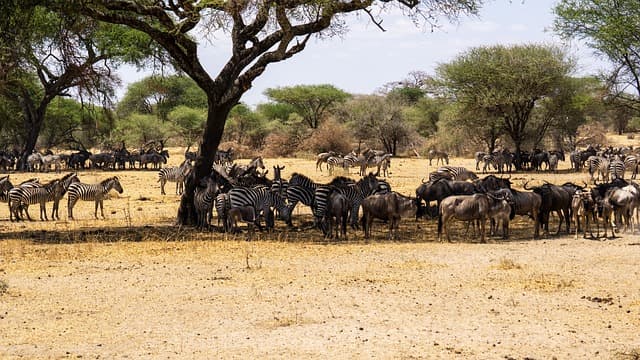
(369, 158)
(32, 191)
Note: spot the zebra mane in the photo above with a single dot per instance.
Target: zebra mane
(302, 176)
(51, 183)
(107, 180)
(68, 176)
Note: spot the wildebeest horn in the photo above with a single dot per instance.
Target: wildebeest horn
(525, 186)
(585, 184)
(424, 182)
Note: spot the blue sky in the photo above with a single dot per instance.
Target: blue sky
(366, 58)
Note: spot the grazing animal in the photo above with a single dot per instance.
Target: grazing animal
(440, 189)
(554, 198)
(583, 211)
(525, 203)
(458, 173)
(466, 208)
(440, 156)
(322, 159)
(203, 200)
(389, 207)
(174, 174)
(21, 197)
(92, 192)
(245, 214)
(336, 215)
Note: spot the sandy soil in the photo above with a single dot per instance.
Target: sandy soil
(135, 286)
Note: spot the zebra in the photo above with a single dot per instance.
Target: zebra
(279, 185)
(600, 165)
(352, 160)
(252, 167)
(222, 206)
(92, 192)
(29, 183)
(383, 188)
(440, 156)
(174, 174)
(335, 161)
(374, 161)
(260, 198)
(34, 161)
(355, 194)
(47, 160)
(203, 201)
(322, 158)
(21, 197)
(459, 173)
(616, 169)
(631, 162)
(65, 182)
(479, 157)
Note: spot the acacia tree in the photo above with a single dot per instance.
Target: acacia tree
(51, 54)
(261, 33)
(311, 102)
(611, 28)
(505, 82)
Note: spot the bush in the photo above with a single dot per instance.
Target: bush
(330, 136)
(279, 144)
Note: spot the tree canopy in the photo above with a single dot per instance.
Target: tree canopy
(504, 82)
(611, 28)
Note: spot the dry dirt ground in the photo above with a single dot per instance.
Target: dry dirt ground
(135, 286)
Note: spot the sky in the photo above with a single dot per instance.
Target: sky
(365, 58)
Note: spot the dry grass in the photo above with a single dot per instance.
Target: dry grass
(133, 285)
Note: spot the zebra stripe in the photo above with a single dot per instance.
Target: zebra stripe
(631, 163)
(459, 173)
(22, 197)
(260, 198)
(65, 182)
(600, 165)
(616, 169)
(222, 206)
(91, 192)
(355, 194)
(175, 174)
(13, 194)
(203, 201)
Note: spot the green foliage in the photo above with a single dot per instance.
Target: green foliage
(160, 95)
(189, 122)
(245, 126)
(611, 28)
(139, 129)
(504, 82)
(312, 102)
(275, 111)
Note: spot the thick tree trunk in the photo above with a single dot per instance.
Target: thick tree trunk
(216, 119)
(33, 119)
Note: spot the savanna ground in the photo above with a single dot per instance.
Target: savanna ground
(135, 286)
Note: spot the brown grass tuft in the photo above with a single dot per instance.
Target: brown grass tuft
(548, 283)
(508, 264)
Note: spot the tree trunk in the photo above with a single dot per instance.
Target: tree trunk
(33, 119)
(216, 119)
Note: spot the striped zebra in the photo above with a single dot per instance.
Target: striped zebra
(30, 183)
(203, 201)
(599, 165)
(92, 192)
(5, 186)
(300, 190)
(440, 156)
(279, 184)
(616, 169)
(222, 206)
(352, 160)
(65, 182)
(335, 162)
(21, 197)
(374, 161)
(355, 194)
(631, 163)
(175, 174)
(260, 198)
(459, 173)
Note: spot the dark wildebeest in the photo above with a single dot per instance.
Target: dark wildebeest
(606, 208)
(440, 189)
(336, 215)
(524, 203)
(492, 183)
(554, 198)
(390, 207)
(468, 208)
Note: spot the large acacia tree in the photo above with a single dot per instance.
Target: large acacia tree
(610, 27)
(505, 82)
(261, 33)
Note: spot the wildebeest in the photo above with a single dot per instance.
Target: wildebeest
(390, 207)
(524, 203)
(336, 215)
(583, 210)
(440, 156)
(440, 189)
(245, 214)
(492, 183)
(554, 198)
(467, 208)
